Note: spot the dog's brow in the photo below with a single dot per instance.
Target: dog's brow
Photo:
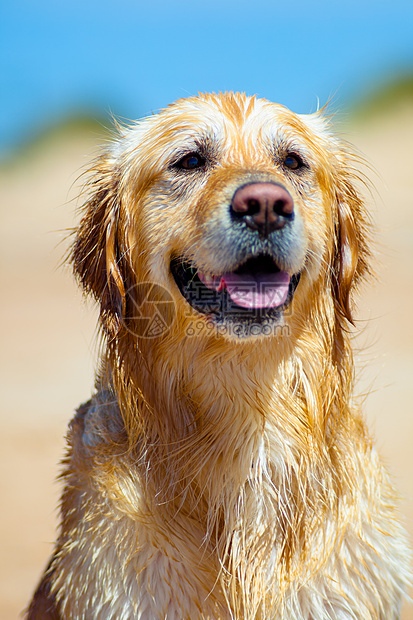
(205, 144)
(282, 142)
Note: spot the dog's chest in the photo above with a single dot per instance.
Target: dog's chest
(153, 563)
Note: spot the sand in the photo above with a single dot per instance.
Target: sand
(48, 336)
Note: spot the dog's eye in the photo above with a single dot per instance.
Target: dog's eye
(293, 161)
(190, 162)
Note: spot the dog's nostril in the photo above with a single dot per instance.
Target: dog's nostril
(283, 207)
(253, 206)
(263, 206)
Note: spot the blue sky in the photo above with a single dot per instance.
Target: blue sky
(132, 57)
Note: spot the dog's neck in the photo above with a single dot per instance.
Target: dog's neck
(208, 402)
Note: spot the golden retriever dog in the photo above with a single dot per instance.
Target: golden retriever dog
(222, 469)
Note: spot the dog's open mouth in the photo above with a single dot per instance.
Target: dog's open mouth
(256, 291)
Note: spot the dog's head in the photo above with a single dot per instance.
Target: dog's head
(224, 214)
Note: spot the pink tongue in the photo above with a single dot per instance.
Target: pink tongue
(261, 290)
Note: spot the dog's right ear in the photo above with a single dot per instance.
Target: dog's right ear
(97, 256)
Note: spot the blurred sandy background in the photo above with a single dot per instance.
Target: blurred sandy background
(48, 351)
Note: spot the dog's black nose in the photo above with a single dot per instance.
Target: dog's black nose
(263, 206)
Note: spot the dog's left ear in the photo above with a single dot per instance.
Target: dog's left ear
(97, 256)
(351, 254)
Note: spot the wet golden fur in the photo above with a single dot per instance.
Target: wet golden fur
(214, 475)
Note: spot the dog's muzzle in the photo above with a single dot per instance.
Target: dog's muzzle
(257, 290)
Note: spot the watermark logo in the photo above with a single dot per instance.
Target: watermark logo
(150, 310)
(241, 329)
(150, 313)
(242, 299)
